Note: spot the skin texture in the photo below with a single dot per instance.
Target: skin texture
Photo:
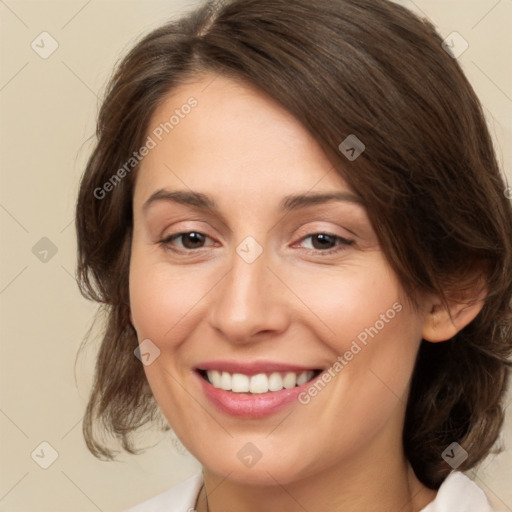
(293, 304)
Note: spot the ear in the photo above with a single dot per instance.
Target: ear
(442, 322)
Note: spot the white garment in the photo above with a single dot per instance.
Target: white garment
(458, 493)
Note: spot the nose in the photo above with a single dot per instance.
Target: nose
(249, 303)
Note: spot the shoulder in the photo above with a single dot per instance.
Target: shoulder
(179, 498)
(458, 492)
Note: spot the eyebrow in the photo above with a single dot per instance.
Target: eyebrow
(289, 203)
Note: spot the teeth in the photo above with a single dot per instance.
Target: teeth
(275, 382)
(215, 378)
(257, 384)
(303, 378)
(239, 383)
(225, 381)
(289, 381)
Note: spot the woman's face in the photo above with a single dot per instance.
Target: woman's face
(245, 275)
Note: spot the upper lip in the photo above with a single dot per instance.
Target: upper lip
(253, 367)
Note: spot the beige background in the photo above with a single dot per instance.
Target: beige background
(48, 108)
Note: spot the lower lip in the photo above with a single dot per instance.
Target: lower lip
(247, 405)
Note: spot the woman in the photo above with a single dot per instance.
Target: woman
(295, 218)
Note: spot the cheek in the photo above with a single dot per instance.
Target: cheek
(347, 301)
(162, 300)
(361, 315)
(151, 302)
(162, 305)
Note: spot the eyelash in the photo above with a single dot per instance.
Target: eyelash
(343, 243)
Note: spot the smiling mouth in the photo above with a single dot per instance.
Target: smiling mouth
(259, 383)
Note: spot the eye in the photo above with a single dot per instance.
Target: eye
(326, 242)
(190, 240)
(318, 242)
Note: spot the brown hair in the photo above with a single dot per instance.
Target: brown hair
(428, 176)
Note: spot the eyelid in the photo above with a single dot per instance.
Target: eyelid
(313, 228)
(307, 230)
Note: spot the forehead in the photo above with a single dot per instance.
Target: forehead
(224, 136)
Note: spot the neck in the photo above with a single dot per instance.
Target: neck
(379, 486)
(376, 476)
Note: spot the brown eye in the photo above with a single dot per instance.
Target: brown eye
(323, 241)
(189, 240)
(192, 240)
(326, 242)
